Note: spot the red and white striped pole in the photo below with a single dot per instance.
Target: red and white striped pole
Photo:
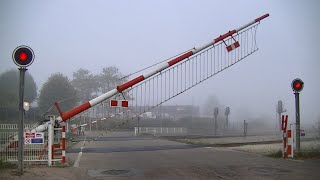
(289, 143)
(284, 140)
(67, 115)
(63, 142)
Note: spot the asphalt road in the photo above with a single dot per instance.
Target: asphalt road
(121, 155)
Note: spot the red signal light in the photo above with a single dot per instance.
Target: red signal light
(23, 56)
(297, 85)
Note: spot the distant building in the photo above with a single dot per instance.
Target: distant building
(170, 111)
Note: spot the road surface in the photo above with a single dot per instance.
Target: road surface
(121, 155)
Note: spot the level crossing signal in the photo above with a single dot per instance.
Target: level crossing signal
(23, 56)
(119, 103)
(297, 85)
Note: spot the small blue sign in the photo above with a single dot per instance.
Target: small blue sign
(37, 141)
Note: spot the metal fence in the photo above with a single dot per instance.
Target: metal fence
(161, 131)
(33, 153)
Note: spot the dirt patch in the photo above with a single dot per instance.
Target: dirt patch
(43, 172)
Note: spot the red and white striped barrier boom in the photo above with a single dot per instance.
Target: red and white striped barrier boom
(67, 115)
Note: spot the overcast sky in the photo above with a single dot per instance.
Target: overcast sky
(68, 35)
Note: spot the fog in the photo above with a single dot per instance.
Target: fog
(131, 35)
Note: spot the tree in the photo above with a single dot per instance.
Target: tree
(9, 91)
(209, 105)
(85, 83)
(109, 78)
(57, 88)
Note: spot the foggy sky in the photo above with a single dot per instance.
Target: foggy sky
(130, 35)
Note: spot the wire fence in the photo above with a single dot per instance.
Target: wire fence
(32, 153)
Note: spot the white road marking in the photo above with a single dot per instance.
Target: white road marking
(76, 164)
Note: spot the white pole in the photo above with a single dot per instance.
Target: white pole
(67, 128)
(50, 139)
(292, 142)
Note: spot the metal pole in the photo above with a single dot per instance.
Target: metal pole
(138, 124)
(227, 122)
(215, 125)
(297, 121)
(244, 127)
(279, 121)
(21, 125)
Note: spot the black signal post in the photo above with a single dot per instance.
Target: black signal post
(226, 113)
(297, 86)
(23, 57)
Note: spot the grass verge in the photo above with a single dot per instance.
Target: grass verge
(6, 165)
(308, 155)
(304, 154)
(277, 154)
